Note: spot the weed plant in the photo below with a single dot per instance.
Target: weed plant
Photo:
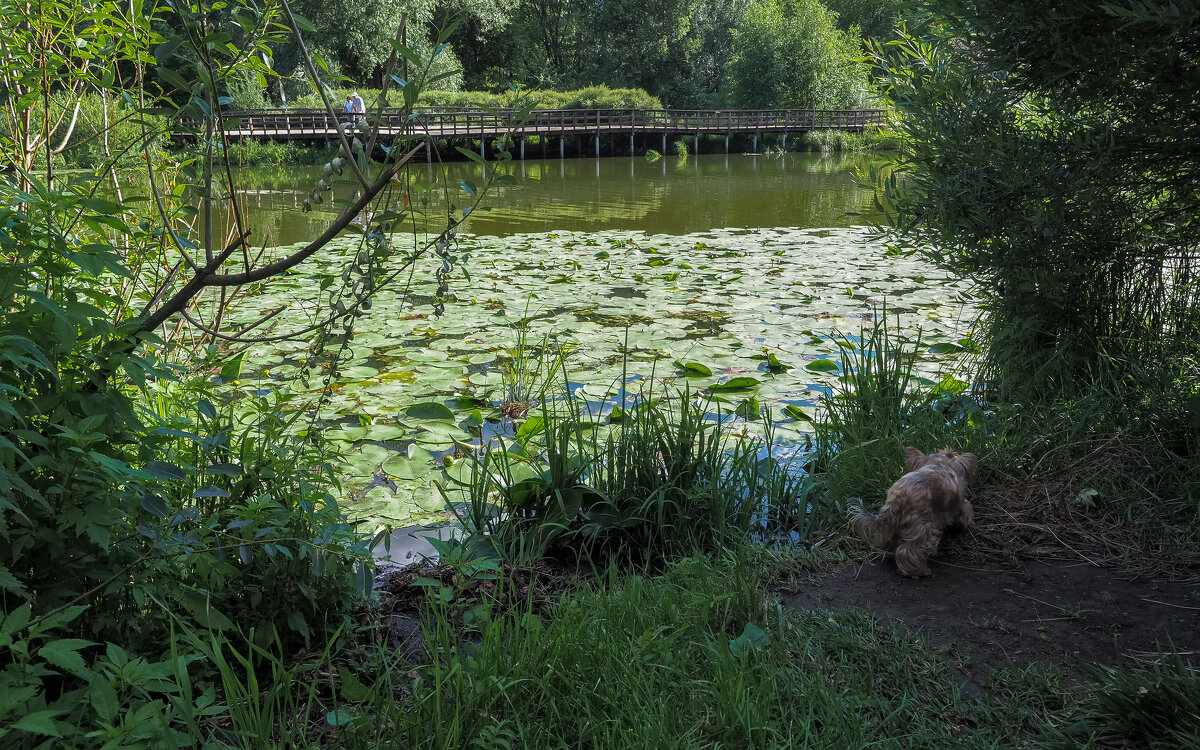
(880, 406)
(1154, 708)
(655, 480)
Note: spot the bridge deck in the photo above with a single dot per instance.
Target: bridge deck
(446, 124)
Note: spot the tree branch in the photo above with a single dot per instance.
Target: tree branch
(207, 276)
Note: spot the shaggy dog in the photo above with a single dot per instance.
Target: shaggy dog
(921, 505)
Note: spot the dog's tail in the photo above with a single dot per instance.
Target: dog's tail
(876, 530)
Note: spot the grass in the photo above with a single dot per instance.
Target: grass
(699, 656)
(649, 480)
(881, 406)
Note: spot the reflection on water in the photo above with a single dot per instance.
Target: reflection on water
(670, 196)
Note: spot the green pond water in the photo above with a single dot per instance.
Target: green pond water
(670, 196)
(732, 276)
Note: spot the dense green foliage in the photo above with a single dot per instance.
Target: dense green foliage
(658, 481)
(1048, 156)
(141, 499)
(679, 52)
(874, 19)
(593, 97)
(791, 55)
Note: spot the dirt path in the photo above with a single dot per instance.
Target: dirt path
(1068, 614)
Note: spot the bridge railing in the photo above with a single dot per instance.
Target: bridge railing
(466, 121)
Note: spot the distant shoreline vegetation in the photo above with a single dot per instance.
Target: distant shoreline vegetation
(88, 148)
(276, 153)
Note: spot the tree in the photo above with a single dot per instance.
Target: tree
(1051, 155)
(354, 35)
(789, 54)
(875, 19)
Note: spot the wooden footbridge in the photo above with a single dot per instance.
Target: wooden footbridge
(465, 124)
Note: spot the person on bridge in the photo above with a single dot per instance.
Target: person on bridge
(349, 107)
(358, 106)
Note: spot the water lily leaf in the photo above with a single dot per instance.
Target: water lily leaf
(429, 410)
(822, 366)
(734, 384)
(748, 409)
(694, 368)
(404, 467)
(774, 365)
(795, 412)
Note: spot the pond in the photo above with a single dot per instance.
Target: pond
(618, 282)
(669, 196)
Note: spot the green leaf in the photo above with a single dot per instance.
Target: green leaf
(104, 699)
(155, 505)
(9, 582)
(748, 409)
(232, 369)
(339, 717)
(164, 470)
(821, 366)
(694, 368)
(228, 470)
(795, 412)
(353, 689)
(735, 384)
(39, 722)
(199, 607)
(62, 654)
(173, 79)
(752, 638)
(15, 620)
(430, 410)
(472, 155)
(530, 427)
(303, 23)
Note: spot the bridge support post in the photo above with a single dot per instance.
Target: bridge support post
(429, 150)
(597, 139)
(522, 149)
(482, 145)
(664, 148)
(631, 144)
(785, 141)
(727, 144)
(754, 149)
(696, 143)
(562, 147)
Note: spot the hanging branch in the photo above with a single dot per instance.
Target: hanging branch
(312, 71)
(207, 275)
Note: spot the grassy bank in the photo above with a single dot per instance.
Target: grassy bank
(699, 656)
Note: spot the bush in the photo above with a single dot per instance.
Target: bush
(594, 97)
(658, 480)
(121, 524)
(85, 149)
(254, 153)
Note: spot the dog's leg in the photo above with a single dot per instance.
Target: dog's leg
(912, 550)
